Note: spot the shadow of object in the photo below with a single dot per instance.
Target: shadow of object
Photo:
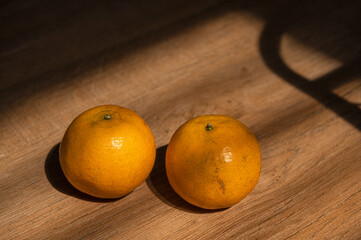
(159, 185)
(57, 179)
(319, 89)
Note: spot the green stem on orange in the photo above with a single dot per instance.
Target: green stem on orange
(209, 127)
(107, 117)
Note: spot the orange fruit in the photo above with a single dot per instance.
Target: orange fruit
(107, 151)
(213, 161)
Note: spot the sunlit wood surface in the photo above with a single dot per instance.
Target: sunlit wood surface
(288, 70)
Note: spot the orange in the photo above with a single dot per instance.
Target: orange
(107, 151)
(213, 161)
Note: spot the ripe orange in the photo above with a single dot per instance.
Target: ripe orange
(213, 161)
(107, 151)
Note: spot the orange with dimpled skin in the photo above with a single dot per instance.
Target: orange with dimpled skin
(213, 161)
(107, 151)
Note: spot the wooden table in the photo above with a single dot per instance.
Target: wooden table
(288, 70)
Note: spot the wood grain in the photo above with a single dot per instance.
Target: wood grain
(290, 71)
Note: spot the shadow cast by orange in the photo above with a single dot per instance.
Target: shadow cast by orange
(159, 185)
(57, 179)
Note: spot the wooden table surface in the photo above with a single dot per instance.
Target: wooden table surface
(289, 70)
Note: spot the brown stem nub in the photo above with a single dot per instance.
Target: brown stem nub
(209, 127)
(107, 117)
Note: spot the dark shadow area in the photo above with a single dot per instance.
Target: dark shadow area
(57, 179)
(58, 42)
(159, 185)
(330, 27)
